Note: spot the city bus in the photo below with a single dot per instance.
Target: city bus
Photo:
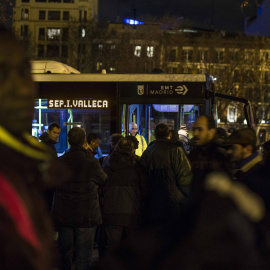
(107, 103)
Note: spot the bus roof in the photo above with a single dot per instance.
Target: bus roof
(119, 77)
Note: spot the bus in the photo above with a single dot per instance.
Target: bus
(108, 103)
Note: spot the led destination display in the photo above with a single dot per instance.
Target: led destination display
(78, 103)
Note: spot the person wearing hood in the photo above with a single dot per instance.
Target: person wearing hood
(123, 193)
(50, 138)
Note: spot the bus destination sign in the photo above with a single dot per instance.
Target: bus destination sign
(162, 90)
(78, 103)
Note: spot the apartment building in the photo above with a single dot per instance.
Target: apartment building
(47, 25)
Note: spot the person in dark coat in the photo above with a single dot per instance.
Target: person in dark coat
(76, 210)
(93, 143)
(26, 167)
(207, 155)
(169, 178)
(114, 139)
(50, 138)
(123, 193)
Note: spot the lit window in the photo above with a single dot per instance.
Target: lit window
(100, 48)
(83, 32)
(112, 69)
(25, 14)
(137, 51)
(53, 33)
(150, 51)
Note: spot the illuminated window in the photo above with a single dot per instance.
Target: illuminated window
(100, 48)
(150, 51)
(25, 14)
(137, 51)
(53, 33)
(83, 33)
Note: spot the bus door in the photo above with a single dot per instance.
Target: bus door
(148, 116)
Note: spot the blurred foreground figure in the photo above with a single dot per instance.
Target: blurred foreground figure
(26, 235)
(218, 232)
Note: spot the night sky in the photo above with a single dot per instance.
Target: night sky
(228, 14)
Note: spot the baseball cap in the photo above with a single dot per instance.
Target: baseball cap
(242, 136)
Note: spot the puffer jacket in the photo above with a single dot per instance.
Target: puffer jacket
(124, 190)
(76, 202)
(169, 178)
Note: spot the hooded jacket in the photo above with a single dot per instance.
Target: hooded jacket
(124, 190)
(169, 178)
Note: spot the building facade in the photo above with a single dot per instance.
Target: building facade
(47, 24)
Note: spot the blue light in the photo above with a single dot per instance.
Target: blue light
(132, 22)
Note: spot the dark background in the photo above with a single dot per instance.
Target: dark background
(222, 14)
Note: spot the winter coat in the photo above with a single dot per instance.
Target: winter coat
(123, 191)
(204, 160)
(49, 142)
(254, 173)
(76, 202)
(169, 178)
(26, 231)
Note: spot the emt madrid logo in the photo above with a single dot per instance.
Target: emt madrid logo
(181, 90)
(140, 89)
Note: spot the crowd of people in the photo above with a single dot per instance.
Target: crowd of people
(172, 204)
